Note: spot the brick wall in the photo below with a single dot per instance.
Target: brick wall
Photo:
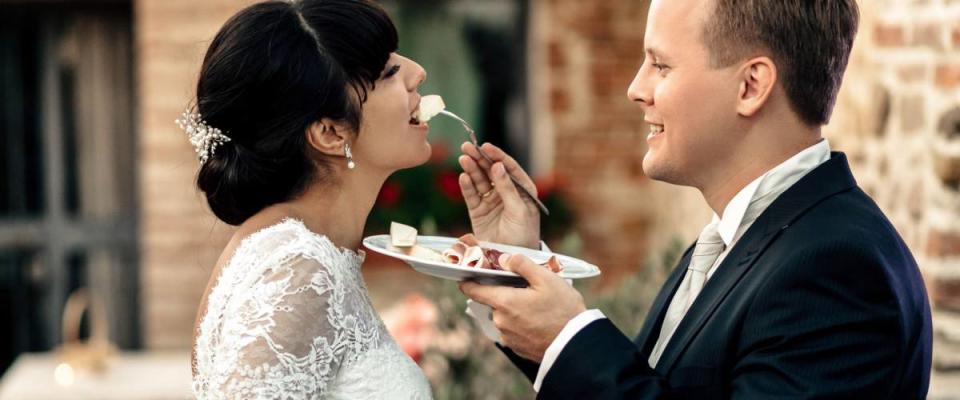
(179, 237)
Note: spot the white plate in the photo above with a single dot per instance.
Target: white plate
(573, 268)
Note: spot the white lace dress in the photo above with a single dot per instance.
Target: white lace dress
(290, 318)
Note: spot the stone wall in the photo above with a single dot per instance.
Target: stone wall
(898, 118)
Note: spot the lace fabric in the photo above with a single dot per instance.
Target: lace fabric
(290, 318)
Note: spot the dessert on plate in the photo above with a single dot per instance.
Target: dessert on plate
(466, 252)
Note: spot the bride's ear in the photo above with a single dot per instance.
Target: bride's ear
(328, 136)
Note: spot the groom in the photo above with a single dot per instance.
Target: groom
(799, 288)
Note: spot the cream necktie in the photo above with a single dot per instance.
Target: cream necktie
(709, 246)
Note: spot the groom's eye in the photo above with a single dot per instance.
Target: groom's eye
(392, 71)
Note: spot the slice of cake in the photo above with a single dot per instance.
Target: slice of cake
(430, 106)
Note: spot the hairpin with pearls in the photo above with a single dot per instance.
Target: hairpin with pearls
(204, 138)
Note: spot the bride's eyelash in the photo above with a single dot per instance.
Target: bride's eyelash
(391, 72)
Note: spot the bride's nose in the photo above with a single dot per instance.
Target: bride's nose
(417, 77)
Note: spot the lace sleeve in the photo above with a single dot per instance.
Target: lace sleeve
(288, 334)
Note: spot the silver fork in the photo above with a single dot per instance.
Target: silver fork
(473, 139)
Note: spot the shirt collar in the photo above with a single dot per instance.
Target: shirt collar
(757, 195)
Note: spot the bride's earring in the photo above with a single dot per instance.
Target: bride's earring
(349, 155)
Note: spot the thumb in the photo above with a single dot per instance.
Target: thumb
(525, 267)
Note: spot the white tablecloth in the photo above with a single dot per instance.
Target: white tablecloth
(131, 375)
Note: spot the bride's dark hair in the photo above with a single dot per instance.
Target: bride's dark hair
(272, 70)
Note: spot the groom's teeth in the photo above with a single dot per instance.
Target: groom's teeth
(656, 129)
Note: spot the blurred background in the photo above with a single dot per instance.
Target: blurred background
(106, 246)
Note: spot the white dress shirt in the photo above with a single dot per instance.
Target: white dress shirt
(737, 217)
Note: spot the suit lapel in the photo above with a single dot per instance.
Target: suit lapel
(826, 180)
(644, 339)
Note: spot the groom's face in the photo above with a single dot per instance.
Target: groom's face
(689, 104)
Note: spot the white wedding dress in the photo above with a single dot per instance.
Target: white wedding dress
(290, 318)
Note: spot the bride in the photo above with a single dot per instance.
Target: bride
(303, 110)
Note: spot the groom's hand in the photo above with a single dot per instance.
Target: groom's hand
(529, 318)
(498, 212)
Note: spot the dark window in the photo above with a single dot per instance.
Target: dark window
(67, 182)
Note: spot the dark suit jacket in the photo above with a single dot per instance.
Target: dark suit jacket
(820, 298)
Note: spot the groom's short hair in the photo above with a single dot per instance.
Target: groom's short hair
(808, 40)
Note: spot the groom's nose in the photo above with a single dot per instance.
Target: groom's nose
(640, 91)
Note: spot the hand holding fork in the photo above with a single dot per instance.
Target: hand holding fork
(498, 211)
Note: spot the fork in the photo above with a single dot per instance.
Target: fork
(476, 144)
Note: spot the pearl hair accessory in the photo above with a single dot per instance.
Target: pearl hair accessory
(204, 138)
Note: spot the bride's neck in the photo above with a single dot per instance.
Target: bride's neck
(338, 211)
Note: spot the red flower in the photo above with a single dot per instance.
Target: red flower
(440, 151)
(389, 194)
(449, 184)
(546, 184)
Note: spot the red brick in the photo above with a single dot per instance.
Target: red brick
(559, 101)
(943, 244)
(556, 55)
(889, 35)
(944, 293)
(947, 76)
(605, 83)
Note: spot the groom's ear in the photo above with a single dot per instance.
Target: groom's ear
(327, 136)
(758, 80)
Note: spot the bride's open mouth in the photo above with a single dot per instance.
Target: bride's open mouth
(429, 107)
(414, 120)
